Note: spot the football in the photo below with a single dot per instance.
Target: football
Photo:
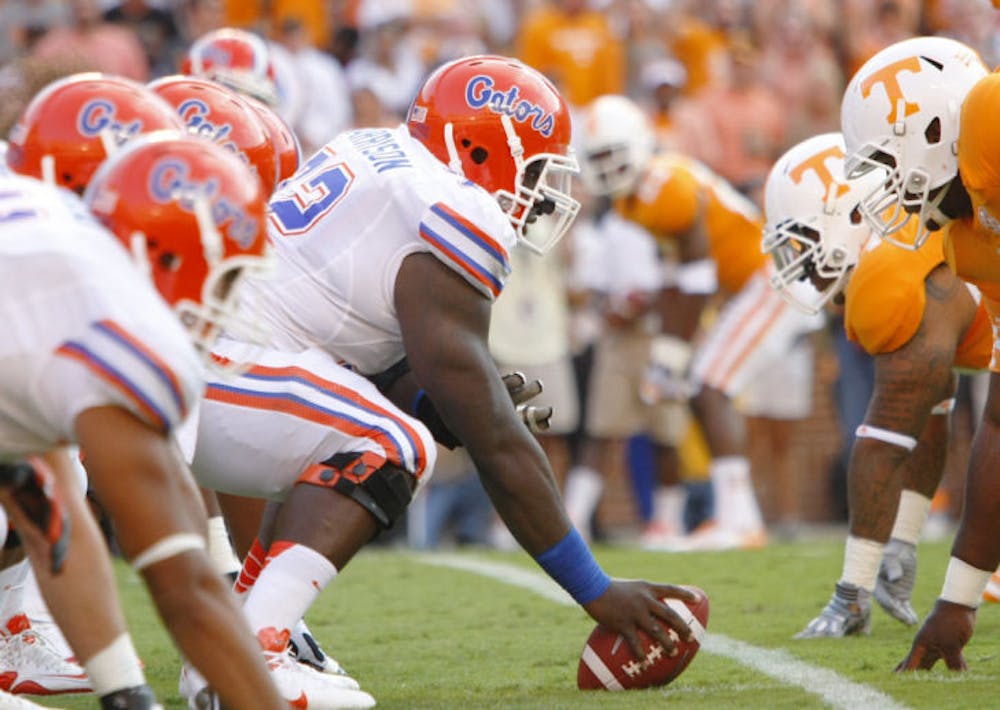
(607, 663)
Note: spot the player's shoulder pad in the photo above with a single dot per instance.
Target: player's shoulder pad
(464, 227)
(667, 198)
(885, 297)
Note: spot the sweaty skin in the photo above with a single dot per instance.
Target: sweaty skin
(908, 383)
(445, 325)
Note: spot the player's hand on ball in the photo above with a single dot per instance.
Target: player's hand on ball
(630, 606)
(943, 635)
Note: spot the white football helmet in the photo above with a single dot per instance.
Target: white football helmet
(618, 140)
(814, 230)
(901, 112)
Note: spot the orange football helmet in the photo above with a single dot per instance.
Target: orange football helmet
(504, 126)
(212, 111)
(74, 123)
(193, 219)
(285, 143)
(235, 58)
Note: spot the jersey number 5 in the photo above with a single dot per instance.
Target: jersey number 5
(313, 194)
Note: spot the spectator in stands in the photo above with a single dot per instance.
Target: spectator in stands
(156, 29)
(801, 69)
(325, 108)
(749, 121)
(388, 63)
(22, 22)
(698, 34)
(198, 17)
(96, 44)
(679, 122)
(874, 25)
(575, 47)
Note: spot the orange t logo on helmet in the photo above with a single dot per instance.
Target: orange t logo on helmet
(817, 164)
(887, 76)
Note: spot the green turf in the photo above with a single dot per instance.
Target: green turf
(426, 637)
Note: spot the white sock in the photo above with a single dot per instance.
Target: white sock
(292, 578)
(735, 502)
(220, 548)
(668, 506)
(115, 667)
(583, 491)
(861, 562)
(911, 516)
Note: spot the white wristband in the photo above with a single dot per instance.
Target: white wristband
(905, 441)
(964, 584)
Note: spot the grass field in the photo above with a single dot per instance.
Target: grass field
(419, 635)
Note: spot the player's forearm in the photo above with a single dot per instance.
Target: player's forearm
(977, 541)
(517, 477)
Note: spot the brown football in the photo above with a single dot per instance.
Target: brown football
(607, 663)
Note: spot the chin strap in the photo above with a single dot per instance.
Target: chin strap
(454, 162)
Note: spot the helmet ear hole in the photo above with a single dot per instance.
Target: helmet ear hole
(933, 131)
(479, 155)
(169, 261)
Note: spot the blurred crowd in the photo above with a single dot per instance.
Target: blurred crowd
(732, 83)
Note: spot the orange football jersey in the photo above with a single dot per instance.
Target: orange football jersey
(885, 301)
(676, 191)
(972, 244)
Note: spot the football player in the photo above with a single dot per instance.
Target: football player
(212, 111)
(918, 321)
(391, 246)
(714, 233)
(69, 127)
(109, 111)
(234, 58)
(95, 357)
(31, 644)
(923, 109)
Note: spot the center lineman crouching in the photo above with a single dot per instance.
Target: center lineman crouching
(391, 246)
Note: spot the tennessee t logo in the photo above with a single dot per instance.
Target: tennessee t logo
(817, 164)
(888, 76)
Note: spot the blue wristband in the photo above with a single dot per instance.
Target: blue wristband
(570, 563)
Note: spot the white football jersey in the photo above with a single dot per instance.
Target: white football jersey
(341, 228)
(82, 327)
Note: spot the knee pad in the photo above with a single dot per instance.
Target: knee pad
(382, 488)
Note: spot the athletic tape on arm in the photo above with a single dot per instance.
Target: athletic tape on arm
(166, 548)
(866, 431)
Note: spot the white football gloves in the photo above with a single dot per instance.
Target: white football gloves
(537, 419)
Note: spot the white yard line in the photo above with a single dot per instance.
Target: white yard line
(833, 689)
